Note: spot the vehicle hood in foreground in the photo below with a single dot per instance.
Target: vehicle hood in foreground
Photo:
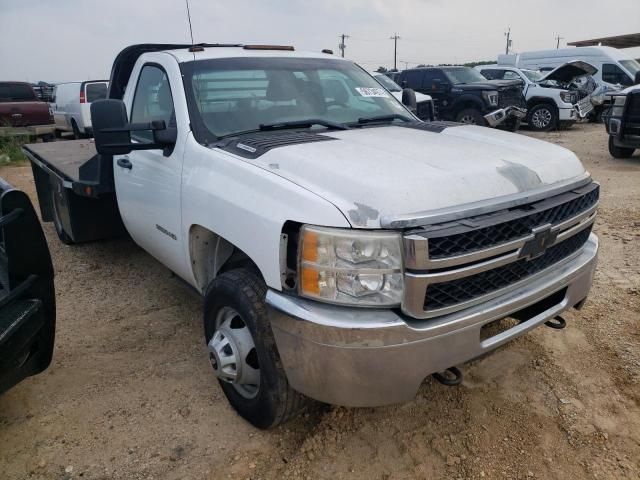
(392, 171)
(570, 70)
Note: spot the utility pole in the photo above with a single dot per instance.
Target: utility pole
(342, 45)
(406, 65)
(395, 39)
(558, 38)
(508, 35)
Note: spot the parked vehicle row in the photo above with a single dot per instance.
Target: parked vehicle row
(262, 177)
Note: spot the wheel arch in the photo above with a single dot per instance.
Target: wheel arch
(467, 101)
(211, 254)
(534, 101)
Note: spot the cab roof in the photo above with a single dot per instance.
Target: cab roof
(126, 59)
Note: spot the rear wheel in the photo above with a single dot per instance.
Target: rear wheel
(76, 131)
(243, 353)
(542, 117)
(471, 116)
(619, 152)
(57, 206)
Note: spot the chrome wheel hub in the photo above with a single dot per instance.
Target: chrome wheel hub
(541, 118)
(233, 355)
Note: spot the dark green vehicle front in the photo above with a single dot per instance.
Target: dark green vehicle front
(27, 295)
(623, 122)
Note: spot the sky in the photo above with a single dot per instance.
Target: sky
(65, 40)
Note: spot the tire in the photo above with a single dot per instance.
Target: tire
(542, 117)
(242, 292)
(57, 221)
(76, 131)
(511, 125)
(471, 116)
(619, 152)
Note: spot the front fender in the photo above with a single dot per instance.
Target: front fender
(247, 205)
(468, 101)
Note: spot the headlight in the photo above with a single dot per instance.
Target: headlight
(568, 97)
(618, 105)
(491, 97)
(350, 267)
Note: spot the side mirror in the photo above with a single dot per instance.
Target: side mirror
(109, 121)
(636, 80)
(409, 99)
(112, 131)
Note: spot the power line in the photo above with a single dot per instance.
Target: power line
(395, 39)
(342, 45)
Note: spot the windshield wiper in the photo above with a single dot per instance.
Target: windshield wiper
(383, 119)
(303, 124)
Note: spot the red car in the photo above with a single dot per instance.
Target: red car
(20, 107)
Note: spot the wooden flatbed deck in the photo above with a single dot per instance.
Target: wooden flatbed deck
(65, 157)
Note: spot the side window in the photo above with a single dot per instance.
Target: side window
(434, 80)
(612, 73)
(492, 74)
(413, 78)
(152, 100)
(509, 75)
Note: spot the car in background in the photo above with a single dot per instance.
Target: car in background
(424, 103)
(71, 104)
(551, 100)
(463, 95)
(20, 106)
(614, 67)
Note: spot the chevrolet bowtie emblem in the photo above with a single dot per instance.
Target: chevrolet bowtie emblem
(543, 238)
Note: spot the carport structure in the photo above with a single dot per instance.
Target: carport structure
(619, 41)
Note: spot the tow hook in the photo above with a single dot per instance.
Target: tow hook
(450, 377)
(557, 323)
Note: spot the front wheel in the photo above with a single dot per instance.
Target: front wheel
(471, 116)
(243, 353)
(542, 117)
(619, 152)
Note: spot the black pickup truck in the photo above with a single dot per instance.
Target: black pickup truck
(622, 122)
(463, 95)
(27, 295)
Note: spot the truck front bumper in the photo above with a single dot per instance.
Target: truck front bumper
(498, 117)
(371, 357)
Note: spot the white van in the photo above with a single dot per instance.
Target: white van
(71, 103)
(614, 66)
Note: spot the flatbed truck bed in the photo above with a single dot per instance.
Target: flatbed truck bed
(75, 189)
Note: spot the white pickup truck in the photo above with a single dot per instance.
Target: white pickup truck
(345, 250)
(551, 102)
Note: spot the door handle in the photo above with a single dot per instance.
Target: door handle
(124, 162)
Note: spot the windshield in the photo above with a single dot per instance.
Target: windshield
(229, 96)
(387, 83)
(631, 65)
(532, 75)
(463, 75)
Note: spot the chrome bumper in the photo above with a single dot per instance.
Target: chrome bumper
(498, 117)
(364, 358)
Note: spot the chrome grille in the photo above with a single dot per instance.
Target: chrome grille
(454, 265)
(446, 294)
(473, 240)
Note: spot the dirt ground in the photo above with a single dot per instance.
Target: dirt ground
(131, 395)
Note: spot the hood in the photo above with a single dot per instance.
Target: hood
(570, 70)
(488, 85)
(378, 172)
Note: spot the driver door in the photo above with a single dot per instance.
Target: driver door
(148, 182)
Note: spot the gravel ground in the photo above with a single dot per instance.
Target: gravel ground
(130, 393)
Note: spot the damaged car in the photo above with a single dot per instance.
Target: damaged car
(463, 95)
(622, 121)
(553, 100)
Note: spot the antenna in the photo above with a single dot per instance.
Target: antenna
(189, 17)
